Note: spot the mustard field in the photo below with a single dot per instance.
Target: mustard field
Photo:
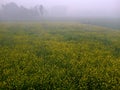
(59, 56)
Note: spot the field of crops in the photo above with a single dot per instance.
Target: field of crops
(59, 56)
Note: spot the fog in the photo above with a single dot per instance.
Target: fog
(73, 8)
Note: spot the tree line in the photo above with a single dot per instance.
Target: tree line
(12, 11)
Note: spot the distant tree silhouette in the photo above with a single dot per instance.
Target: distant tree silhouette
(41, 10)
(11, 11)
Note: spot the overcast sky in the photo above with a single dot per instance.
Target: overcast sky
(110, 8)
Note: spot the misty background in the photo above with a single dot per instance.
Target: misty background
(85, 11)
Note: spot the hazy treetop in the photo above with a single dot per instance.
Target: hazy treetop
(109, 8)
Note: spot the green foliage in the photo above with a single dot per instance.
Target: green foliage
(59, 56)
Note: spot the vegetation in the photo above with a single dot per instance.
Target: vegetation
(59, 56)
(12, 12)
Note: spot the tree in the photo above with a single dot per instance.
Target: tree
(41, 9)
(12, 11)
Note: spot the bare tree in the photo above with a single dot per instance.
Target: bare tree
(41, 8)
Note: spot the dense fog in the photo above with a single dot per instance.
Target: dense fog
(39, 9)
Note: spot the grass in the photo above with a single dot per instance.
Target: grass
(59, 56)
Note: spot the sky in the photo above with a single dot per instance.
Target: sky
(105, 8)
